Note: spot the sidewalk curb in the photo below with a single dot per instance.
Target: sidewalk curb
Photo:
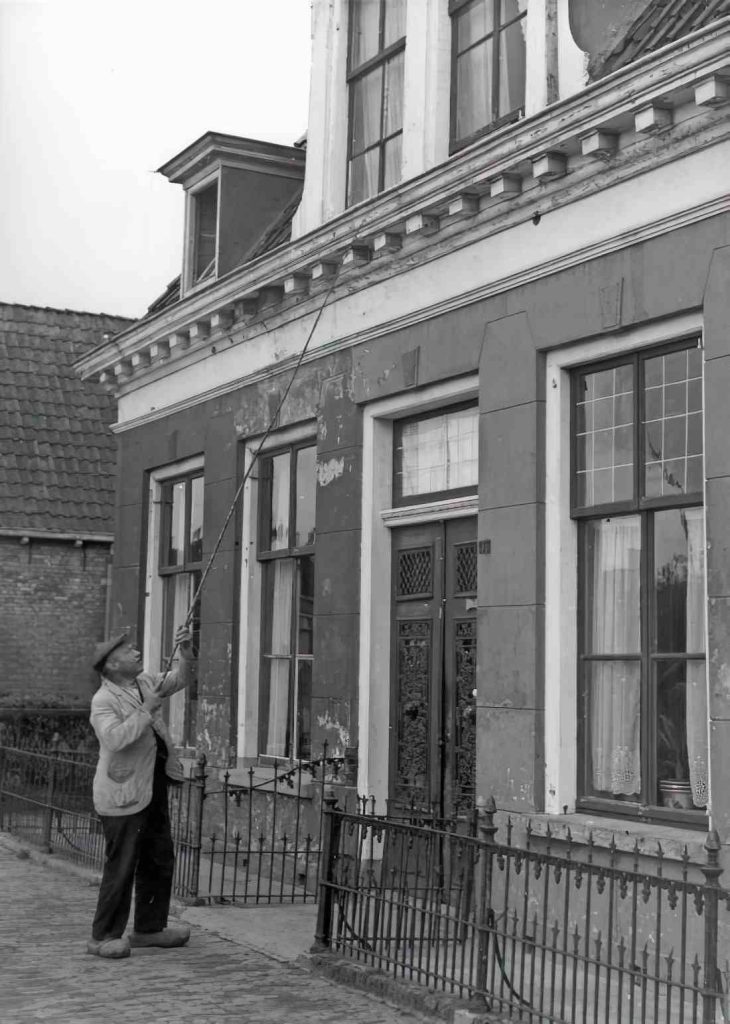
(408, 995)
(26, 851)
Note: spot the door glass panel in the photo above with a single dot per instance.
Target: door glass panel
(413, 682)
(415, 572)
(464, 743)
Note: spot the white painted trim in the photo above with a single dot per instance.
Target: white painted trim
(449, 508)
(377, 497)
(152, 647)
(249, 647)
(262, 368)
(561, 554)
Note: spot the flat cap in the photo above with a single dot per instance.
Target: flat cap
(103, 650)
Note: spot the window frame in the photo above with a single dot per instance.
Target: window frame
(266, 557)
(194, 280)
(455, 8)
(648, 658)
(166, 487)
(383, 56)
(401, 501)
(180, 714)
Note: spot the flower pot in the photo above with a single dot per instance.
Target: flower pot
(676, 793)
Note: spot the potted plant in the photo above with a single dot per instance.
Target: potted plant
(672, 761)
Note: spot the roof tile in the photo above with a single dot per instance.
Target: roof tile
(57, 457)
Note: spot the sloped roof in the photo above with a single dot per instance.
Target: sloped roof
(57, 454)
(661, 22)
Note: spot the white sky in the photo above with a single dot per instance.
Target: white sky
(97, 94)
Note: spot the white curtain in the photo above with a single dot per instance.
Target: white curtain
(280, 656)
(614, 628)
(696, 671)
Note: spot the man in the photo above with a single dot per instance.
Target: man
(136, 761)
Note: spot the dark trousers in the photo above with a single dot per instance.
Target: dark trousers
(139, 855)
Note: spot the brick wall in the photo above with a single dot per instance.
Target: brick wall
(52, 612)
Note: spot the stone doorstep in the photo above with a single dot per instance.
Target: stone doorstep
(407, 995)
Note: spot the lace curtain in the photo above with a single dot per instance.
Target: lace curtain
(615, 686)
(694, 521)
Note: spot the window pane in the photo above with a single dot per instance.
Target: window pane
(176, 544)
(512, 68)
(306, 481)
(511, 9)
(393, 109)
(277, 641)
(363, 181)
(366, 103)
(177, 595)
(304, 708)
(473, 90)
(305, 608)
(196, 520)
(474, 22)
(365, 31)
(614, 715)
(604, 436)
(279, 516)
(681, 734)
(672, 424)
(679, 581)
(395, 21)
(436, 453)
(206, 217)
(393, 157)
(611, 585)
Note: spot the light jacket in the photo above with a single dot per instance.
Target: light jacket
(127, 745)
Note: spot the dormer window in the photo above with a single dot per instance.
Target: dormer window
(488, 66)
(205, 232)
(375, 79)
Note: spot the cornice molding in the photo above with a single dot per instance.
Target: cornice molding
(537, 151)
(628, 238)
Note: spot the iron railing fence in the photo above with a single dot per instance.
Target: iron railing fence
(46, 799)
(547, 930)
(234, 842)
(266, 840)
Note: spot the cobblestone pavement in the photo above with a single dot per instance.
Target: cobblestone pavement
(46, 974)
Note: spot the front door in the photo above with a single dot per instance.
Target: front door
(433, 674)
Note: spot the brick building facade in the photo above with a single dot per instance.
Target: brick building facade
(57, 477)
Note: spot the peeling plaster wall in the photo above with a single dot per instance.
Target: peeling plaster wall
(505, 338)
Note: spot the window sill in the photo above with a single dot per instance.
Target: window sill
(626, 834)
